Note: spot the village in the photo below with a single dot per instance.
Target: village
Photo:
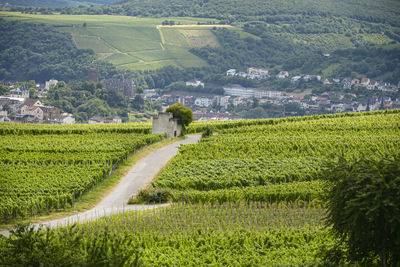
(350, 95)
(334, 95)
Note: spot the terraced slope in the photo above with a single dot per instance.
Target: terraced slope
(129, 42)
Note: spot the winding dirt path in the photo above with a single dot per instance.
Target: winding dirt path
(141, 174)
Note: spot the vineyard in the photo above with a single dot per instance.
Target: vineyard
(274, 160)
(250, 194)
(241, 234)
(46, 167)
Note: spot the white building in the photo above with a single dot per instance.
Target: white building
(231, 72)
(372, 85)
(20, 92)
(361, 107)
(242, 74)
(238, 90)
(116, 119)
(262, 93)
(33, 111)
(96, 119)
(203, 102)
(148, 93)
(295, 79)
(49, 84)
(67, 118)
(338, 107)
(238, 101)
(195, 83)
(257, 73)
(224, 101)
(282, 74)
(3, 116)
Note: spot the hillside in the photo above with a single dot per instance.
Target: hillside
(290, 33)
(39, 52)
(345, 38)
(386, 11)
(145, 44)
(131, 43)
(55, 3)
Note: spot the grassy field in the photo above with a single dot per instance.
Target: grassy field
(129, 42)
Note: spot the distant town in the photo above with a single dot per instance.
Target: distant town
(334, 95)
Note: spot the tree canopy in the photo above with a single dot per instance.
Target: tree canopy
(33, 51)
(87, 99)
(363, 208)
(182, 113)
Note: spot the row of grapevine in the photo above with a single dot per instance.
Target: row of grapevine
(39, 129)
(218, 125)
(50, 170)
(229, 234)
(275, 160)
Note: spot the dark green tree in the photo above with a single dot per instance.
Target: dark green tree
(182, 113)
(137, 103)
(4, 90)
(363, 208)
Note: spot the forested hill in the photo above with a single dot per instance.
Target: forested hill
(387, 11)
(32, 51)
(55, 3)
(362, 36)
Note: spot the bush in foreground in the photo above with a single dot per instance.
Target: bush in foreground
(363, 208)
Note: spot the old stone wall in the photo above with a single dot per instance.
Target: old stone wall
(165, 123)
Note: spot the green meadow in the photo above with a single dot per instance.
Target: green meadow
(129, 42)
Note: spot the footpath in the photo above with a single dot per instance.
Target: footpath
(141, 174)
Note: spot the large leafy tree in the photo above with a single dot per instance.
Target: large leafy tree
(182, 113)
(364, 208)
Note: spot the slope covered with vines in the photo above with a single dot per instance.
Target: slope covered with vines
(275, 160)
(47, 167)
(241, 234)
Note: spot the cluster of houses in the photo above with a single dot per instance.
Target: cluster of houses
(346, 83)
(27, 110)
(340, 102)
(349, 83)
(19, 109)
(236, 95)
(99, 119)
(252, 73)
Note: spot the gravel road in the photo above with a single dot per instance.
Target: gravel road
(141, 174)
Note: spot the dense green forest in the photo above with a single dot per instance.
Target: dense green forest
(362, 39)
(378, 62)
(56, 3)
(31, 51)
(384, 11)
(362, 36)
(87, 99)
